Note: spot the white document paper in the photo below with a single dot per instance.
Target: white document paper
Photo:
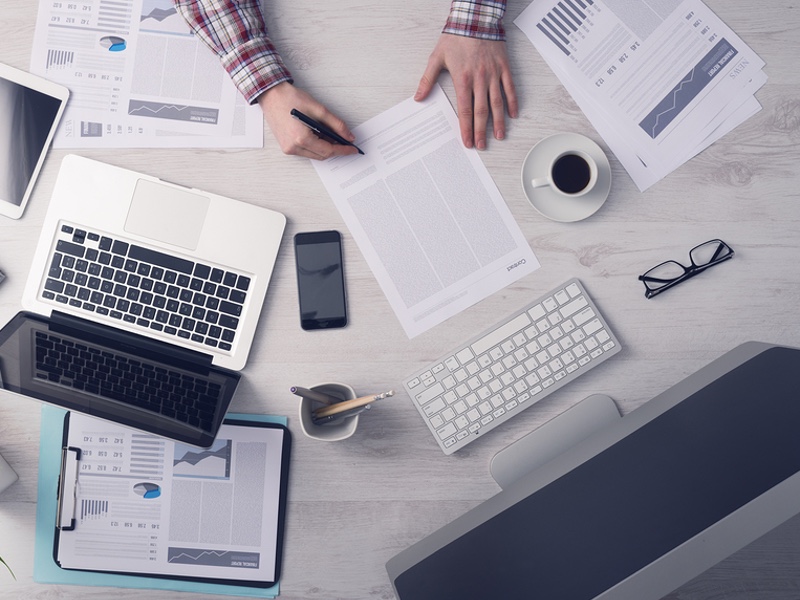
(145, 504)
(425, 213)
(138, 78)
(659, 79)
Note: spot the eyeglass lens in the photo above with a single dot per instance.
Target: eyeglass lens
(663, 274)
(709, 252)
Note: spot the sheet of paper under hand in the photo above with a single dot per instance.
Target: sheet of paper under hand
(425, 213)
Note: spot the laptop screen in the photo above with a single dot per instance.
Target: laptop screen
(116, 376)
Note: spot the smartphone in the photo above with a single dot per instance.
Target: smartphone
(320, 279)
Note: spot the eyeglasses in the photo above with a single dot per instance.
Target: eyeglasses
(670, 273)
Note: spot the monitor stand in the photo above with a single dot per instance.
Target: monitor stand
(554, 437)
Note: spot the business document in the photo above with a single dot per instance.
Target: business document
(138, 503)
(138, 78)
(425, 213)
(660, 80)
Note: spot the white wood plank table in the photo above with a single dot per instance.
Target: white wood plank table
(354, 504)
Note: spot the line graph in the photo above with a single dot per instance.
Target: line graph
(172, 112)
(669, 111)
(213, 558)
(687, 89)
(212, 463)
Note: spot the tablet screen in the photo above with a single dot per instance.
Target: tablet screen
(27, 118)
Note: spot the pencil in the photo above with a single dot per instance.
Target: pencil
(313, 395)
(326, 411)
(342, 415)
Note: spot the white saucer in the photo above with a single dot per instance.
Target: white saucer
(552, 204)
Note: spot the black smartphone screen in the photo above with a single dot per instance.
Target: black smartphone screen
(320, 279)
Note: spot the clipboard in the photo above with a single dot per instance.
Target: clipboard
(45, 568)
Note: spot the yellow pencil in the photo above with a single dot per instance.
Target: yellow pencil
(326, 411)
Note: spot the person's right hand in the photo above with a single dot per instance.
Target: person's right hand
(295, 138)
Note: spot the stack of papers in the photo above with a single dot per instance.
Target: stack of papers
(660, 80)
(138, 79)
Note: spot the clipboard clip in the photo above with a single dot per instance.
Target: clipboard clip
(68, 488)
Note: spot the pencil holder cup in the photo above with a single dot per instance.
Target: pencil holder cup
(335, 429)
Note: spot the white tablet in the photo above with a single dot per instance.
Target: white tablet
(30, 109)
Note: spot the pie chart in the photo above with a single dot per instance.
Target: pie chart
(147, 490)
(113, 43)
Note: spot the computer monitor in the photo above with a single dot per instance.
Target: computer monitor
(639, 508)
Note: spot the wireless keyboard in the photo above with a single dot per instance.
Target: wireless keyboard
(512, 365)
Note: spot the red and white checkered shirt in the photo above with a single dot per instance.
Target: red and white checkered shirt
(235, 30)
(479, 18)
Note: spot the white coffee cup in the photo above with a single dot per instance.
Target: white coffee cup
(573, 173)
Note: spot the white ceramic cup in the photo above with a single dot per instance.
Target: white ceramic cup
(558, 177)
(336, 429)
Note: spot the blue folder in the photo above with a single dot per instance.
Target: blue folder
(45, 569)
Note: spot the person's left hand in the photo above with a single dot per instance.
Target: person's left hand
(482, 76)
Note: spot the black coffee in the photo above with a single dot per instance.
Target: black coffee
(571, 174)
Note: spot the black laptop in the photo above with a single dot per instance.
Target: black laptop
(114, 375)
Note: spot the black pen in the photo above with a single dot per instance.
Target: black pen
(322, 130)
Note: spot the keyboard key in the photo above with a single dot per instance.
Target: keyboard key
(431, 408)
(54, 285)
(202, 271)
(70, 248)
(160, 259)
(447, 431)
(230, 308)
(583, 316)
(573, 307)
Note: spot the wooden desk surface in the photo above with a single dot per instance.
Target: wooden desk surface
(354, 504)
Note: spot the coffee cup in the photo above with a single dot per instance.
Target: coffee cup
(331, 430)
(572, 173)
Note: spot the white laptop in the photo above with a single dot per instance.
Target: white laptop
(164, 272)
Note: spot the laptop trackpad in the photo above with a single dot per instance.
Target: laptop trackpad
(167, 214)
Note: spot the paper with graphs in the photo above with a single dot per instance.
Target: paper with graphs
(660, 80)
(138, 78)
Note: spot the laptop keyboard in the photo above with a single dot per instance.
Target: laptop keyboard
(509, 367)
(121, 280)
(177, 395)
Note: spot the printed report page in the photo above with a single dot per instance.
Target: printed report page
(659, 79)
(138, 78)
(144, 504)
(425, 213)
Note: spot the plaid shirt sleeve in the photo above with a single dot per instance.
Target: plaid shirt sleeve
(477, 18)
(235, 30)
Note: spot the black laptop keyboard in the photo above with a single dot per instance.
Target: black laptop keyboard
(177, 395)
(145, 288)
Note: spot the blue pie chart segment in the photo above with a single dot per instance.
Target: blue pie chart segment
(113, 43)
